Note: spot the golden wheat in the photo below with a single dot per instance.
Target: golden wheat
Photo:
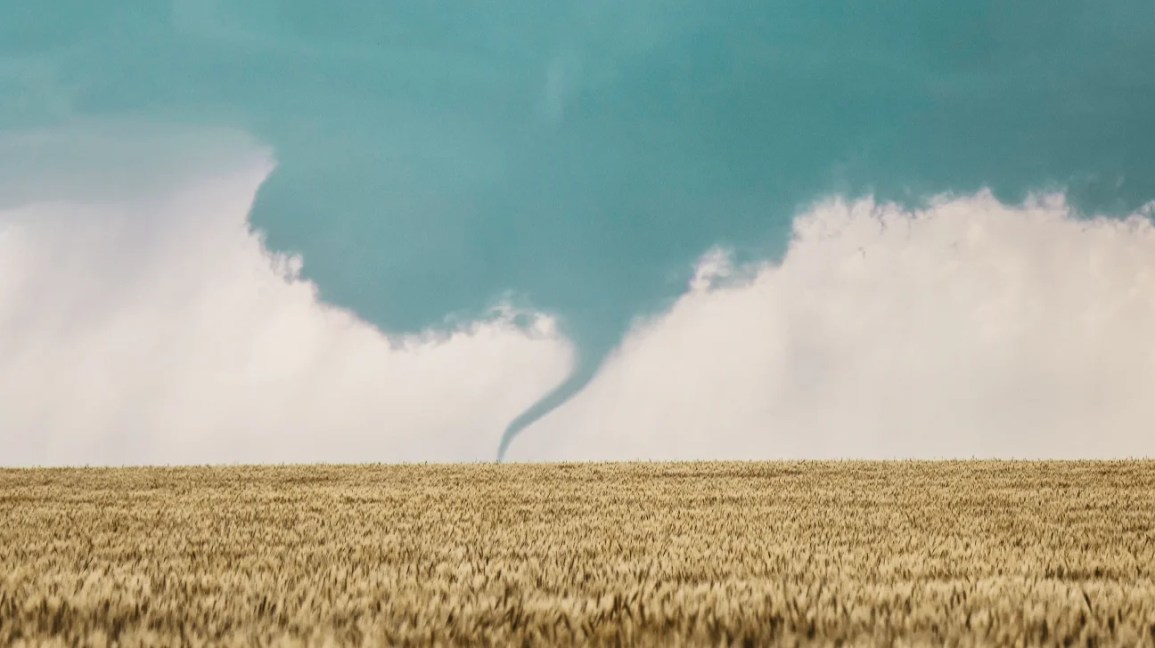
(903, 553)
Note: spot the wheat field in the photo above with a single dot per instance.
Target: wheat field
(852, 553)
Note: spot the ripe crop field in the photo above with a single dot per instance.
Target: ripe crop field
(961, 553)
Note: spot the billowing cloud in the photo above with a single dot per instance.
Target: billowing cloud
(148, 324)
(576, 159)
(966, 329)
(158, 329)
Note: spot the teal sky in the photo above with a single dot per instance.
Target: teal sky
(435, 158)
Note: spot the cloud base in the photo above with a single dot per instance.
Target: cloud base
(156, 328)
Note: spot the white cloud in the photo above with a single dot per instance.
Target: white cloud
(969, 328)
(158, 330)
(151, 326)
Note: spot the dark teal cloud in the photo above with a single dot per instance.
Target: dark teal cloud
(436, 157)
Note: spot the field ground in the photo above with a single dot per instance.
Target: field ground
(960, 553)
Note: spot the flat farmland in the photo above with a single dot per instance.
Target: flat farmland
(858, 553)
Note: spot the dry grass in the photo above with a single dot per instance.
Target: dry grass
(707, 553)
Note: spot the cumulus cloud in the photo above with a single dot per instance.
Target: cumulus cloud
(148, 324)
(158, 329)
(966, 329)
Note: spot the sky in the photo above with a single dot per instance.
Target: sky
(422, 231)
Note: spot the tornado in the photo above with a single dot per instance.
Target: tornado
(579, 377)
(594, 336)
